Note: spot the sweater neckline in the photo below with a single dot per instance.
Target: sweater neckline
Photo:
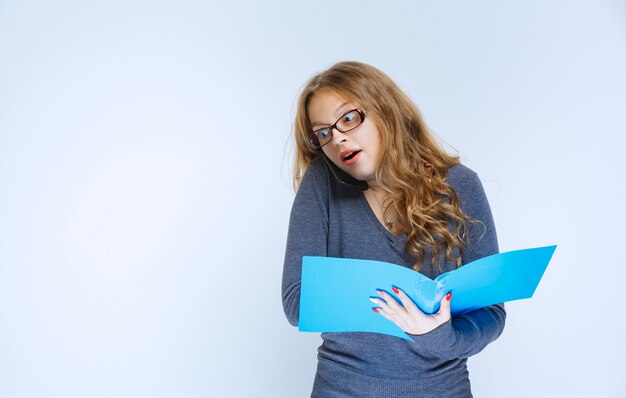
(372, 216)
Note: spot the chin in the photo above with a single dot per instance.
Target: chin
(362, 175)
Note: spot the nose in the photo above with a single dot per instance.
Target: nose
(338, 137)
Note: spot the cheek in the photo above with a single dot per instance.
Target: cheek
(372, 135)
(326, 152)
(374, 143)
(332, 157)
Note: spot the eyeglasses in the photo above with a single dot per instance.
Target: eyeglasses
(347, 122)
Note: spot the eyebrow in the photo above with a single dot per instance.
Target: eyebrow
(335, 114)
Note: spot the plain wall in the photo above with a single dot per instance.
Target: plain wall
(145, 184)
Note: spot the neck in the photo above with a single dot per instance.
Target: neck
(379, 199)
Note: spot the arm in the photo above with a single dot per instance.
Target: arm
(468, 334)
(307, 235)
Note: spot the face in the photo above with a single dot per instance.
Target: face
(324, 108)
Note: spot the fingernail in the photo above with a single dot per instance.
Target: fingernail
(375, 309)
(373, 300)
(449, 296)
(395, 290)
(380, 292)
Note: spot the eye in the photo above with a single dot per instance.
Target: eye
(323, 133)
(348, 117)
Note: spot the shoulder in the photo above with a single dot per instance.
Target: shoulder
(462, 179)
(468, 187)
(470, 192)
(317, 164)
(317, 171)
(315, 179)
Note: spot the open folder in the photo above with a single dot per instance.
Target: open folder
(335, 292)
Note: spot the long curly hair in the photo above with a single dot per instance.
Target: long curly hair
(412, 167)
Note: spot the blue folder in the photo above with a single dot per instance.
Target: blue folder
(335, 292)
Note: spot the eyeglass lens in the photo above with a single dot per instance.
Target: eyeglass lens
(347, 122)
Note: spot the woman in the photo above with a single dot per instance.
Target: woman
(372, 183)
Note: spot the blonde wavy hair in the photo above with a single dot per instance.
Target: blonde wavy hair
(412, 167)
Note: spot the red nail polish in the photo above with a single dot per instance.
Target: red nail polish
(449, 296)
(395, 290)
(375, 309)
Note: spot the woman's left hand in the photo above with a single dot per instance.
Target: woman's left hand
(408, 316)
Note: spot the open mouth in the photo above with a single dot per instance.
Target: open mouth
(350, 155)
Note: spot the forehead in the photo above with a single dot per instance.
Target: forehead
(326, 106)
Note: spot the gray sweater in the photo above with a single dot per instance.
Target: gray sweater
(329, 219)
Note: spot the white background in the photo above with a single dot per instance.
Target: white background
(145, 184)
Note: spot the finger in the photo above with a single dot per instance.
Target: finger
(392, 305)
(444, 308)
(408, 304)
(384, 310)
(389, 316)
(382, 305)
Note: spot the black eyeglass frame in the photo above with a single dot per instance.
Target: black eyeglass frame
(332, 127)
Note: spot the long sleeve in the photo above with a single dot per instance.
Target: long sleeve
(468, 334)
(307, 235)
